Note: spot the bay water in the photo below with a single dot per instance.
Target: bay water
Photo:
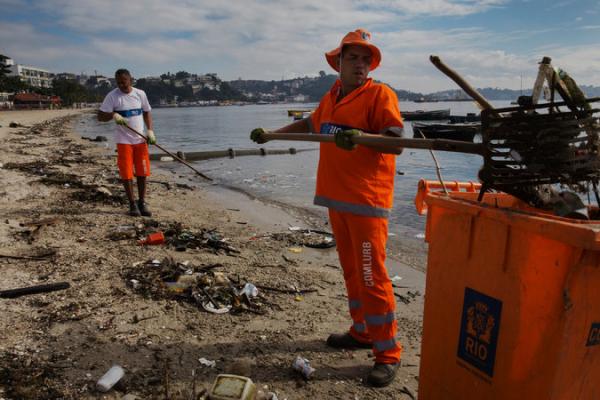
(290, 179)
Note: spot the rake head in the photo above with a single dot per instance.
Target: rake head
(526, 147)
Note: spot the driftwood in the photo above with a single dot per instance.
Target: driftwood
(41, 256)
(51, 287)
(288, 291)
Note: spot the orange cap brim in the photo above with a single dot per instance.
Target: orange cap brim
(334, 55)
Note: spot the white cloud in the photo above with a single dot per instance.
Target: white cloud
(581, 62)
(268, 39)
(561, 4)
(28, 46)
(435, 7)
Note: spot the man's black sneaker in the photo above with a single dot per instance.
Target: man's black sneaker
(346, 341)
(382, 374)
(143, 209)
(134, 211)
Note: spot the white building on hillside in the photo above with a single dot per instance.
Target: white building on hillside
(34, 76)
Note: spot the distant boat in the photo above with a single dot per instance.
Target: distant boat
(424, 100)
(464, 132)
(422, 115)
(470, 117)
(293, 113)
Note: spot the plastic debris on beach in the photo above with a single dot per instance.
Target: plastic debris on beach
(213, 291)
(182, 238)
(97, 194)
(302, 365)
(176, 236)
(207, 363)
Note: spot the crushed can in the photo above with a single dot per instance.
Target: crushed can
(302, 365)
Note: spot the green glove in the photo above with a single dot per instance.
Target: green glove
(151, 138)
(119, 119)
(343, 139)
(256, 135)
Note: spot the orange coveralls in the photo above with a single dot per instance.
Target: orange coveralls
(357, 187)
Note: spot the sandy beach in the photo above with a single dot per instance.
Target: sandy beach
(64, 220)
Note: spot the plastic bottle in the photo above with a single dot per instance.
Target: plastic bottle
(110, 378)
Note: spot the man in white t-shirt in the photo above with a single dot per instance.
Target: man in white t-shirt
(129, 106)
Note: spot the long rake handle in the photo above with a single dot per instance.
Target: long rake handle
(370, 139)
(171, 154)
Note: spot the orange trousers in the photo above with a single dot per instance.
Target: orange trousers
(130, 156)
(361, 243)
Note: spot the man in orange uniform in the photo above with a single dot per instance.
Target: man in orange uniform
(356, 184)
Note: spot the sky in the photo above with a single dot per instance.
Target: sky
(491, 43)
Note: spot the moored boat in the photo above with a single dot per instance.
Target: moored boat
(423, 115)
(301, 115)
(464, 132)
(470, 117)
(293, 113)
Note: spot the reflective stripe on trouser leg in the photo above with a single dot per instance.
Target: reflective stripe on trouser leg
(351, 275)
(368, 236)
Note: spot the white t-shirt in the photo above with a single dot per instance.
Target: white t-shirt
(131, 106)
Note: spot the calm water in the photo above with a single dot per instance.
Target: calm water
(291, 178)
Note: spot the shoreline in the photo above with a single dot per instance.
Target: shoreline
(58, 344)
(402, 250)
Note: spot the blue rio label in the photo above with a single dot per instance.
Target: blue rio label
(594, 335)
(479, 330)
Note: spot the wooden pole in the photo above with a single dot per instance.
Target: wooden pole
(171, 154)
(455, 146)
(464, 85)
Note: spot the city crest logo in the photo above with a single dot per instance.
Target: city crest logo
(594, 335)
(479, 330)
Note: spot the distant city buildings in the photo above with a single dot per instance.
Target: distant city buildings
(33, 76)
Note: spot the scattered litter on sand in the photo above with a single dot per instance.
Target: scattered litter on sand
(212, 291)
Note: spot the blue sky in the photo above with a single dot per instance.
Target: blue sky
(490, 42)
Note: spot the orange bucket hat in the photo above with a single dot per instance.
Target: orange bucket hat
(359, 37)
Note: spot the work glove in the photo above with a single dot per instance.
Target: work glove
(256, 135)
(119, 119)
(343, 139)
(150, 137)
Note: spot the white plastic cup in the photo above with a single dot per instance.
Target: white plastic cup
(110, 378)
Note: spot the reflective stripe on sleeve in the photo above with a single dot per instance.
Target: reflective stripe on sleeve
(359, 327)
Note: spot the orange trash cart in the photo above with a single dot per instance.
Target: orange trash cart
(512, 304)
